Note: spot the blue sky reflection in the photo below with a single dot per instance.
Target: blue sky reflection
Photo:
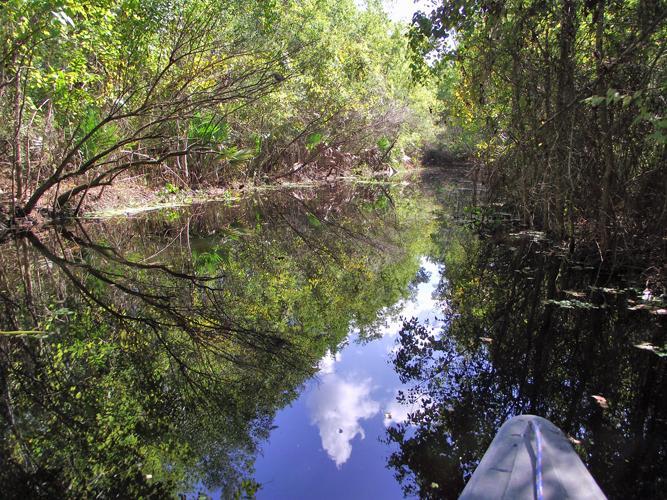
(326, 444)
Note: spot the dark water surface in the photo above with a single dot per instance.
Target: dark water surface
(349, 341)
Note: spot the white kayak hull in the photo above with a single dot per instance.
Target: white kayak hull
(512, 466)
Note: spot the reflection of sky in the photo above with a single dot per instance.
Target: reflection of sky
(402, 10)
(422, 306)
(326, 445)
(337, 407)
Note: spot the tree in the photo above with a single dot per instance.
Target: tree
(135, 363)
(197, 92)
(562, 99)
(528, 331)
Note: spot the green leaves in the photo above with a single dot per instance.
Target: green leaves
(595, 100)
(658, 351)
(384, 144)
(313, 140)
(208, 129)
(231, 83)
(612, 97)
(101, 137)
(235, 155)
(572, 304)
(313, 220)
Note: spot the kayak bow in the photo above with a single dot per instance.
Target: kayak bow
(530, 458)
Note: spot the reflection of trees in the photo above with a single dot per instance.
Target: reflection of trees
(530, 332)
(165, 344)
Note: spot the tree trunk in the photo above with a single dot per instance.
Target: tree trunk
(605, 206)
(17, 165)
(565, 98)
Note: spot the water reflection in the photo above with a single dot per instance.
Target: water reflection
(529, 329)
(339, 403)
(144, 356)
(349, 404)
(243, 349)
(337, 407)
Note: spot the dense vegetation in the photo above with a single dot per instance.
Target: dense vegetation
(149, 356)
(123, 377)
(529, 330)
(195, 92)
(563, 104)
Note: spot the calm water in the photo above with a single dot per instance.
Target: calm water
(328, 443)
(351, 341)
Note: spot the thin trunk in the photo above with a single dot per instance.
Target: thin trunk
(564, 100)
(605, 208)
(17, 193)
(547, 78)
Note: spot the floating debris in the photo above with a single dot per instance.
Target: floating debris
(532, 235)
(573, 304)
(573, 440)
(582, 268)
(647, 346)
(610, 291)
(653, 309)
(601, 401)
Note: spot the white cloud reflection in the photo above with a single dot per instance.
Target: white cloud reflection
(326, 364)
(397, 413)
(337, 406)
(422, 306)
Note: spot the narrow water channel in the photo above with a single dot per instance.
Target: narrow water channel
(350, 341)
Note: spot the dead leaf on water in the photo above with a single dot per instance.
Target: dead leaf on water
(533, 235)
(573, 440)
(601, 401)
(647, 346)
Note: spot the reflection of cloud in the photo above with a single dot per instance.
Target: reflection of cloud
(326, 364)
(396, 412)
(337, 406)
(422, 306)
(401, 11)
